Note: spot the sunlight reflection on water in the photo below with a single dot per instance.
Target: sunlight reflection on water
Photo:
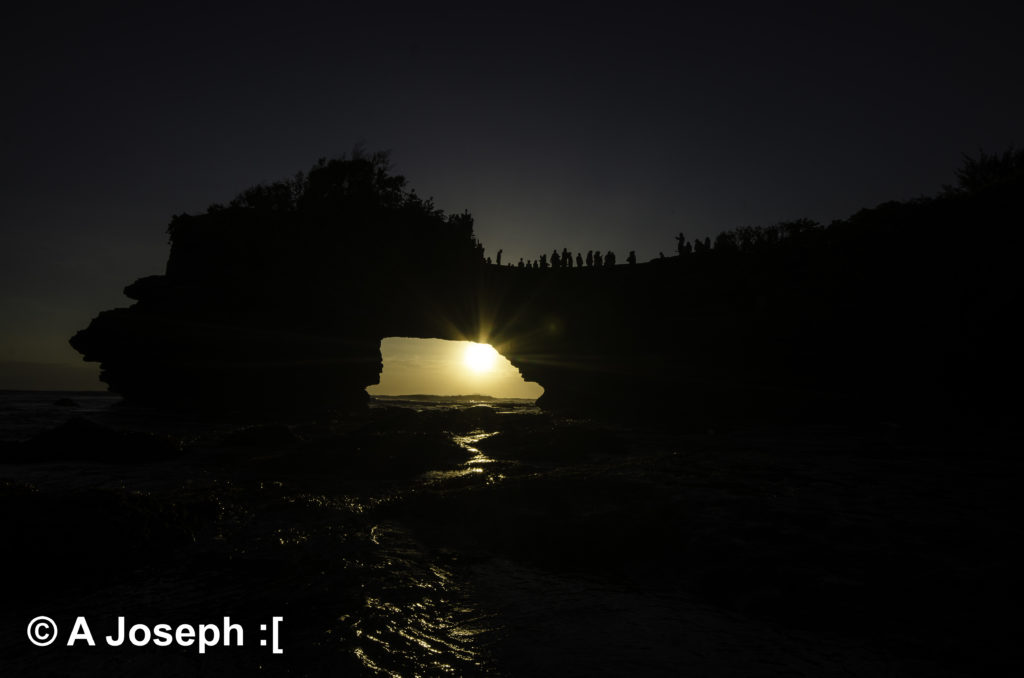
(418, 621)
(416, 617)
(467, 441)
(471, 466)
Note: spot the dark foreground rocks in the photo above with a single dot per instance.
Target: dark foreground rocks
(469, 542)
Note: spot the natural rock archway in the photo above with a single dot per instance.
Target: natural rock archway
(283, 297)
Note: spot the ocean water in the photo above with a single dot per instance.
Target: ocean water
(429, 537)
(23, 414)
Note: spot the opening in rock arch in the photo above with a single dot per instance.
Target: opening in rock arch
(448, 368)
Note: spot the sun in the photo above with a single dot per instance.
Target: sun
(479, 357)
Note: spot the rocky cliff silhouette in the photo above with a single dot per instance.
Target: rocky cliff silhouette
(282, 297)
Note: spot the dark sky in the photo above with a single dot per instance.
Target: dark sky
(597, 127)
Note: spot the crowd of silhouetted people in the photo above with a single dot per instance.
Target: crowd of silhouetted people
(747, 238)
(565, 259)
(594, 258)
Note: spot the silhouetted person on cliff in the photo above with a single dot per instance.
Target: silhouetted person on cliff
(609, 259)
(566, 258)
(556, 261)
(521, 264)
(597, 259)
(661, 255)
(681, 244)
(590, 258)
(543, 261)
(579, 260)
(488, 261)
(631, 259)
(497, 258)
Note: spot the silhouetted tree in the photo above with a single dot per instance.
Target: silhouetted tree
(989, 170)
(348, 206)
(798, 228)
(726, 242)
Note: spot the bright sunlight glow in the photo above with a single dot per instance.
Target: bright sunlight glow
(412, 366)
(479, 357)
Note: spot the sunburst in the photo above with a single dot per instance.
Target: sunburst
(479, 357)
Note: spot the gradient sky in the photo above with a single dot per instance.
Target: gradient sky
(610, 127)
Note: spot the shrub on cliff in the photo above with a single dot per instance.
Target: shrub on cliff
(345, 219)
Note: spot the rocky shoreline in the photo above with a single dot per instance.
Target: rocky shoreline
(470, 541)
